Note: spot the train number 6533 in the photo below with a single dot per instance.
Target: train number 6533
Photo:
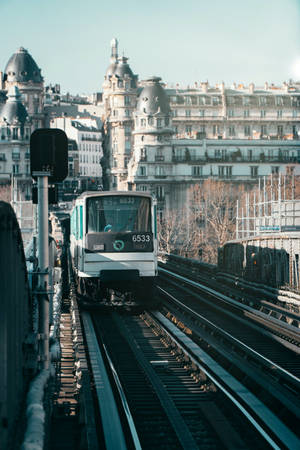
(140, 238)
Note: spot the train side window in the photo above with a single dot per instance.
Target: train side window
(81, 222)
(77, 223)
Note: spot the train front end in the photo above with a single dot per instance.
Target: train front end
(119, 245)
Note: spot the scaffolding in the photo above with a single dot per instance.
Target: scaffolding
(268, 210)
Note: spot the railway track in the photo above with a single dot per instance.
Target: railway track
(181, 378)
(247, 344)
(172, 401)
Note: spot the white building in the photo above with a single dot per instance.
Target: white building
(88, 137)
(204, 119)
(168, 167)
(15, 130)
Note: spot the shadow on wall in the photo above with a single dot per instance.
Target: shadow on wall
(16, 326)
(261, 265)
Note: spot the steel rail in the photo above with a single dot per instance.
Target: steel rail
(112, 428)
(134, 435)
(288, 328)
(267, 424)
(241, 344)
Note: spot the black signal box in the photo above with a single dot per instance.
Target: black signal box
(49, 154)
(52, 195)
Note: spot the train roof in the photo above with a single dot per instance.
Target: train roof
(104, 193)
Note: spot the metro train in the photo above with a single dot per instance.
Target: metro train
(113, 245)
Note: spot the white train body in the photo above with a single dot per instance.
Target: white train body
(113, 239)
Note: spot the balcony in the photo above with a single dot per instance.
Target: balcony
(159, 158)
(92, 139)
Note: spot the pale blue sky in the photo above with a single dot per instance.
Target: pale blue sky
(180, 41)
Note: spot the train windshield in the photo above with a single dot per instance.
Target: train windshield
(118, 214)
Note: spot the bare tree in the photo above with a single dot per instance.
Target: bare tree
(171, 231)
(213, 205)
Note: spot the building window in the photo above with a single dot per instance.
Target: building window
(159, 171)
(143, 156)
(159, 155)
(246, 101)
(216, 130)
(197, 171)
(160, 214)
(247, 131)
(230, 113)
(188, 113)
(142, 171)
(202, 112)
(167, 121)
(279, 101)
(142, 187)
(262, 101)
(280, 130)
(231, 131)
(127, 113)
(262, 113)
(225, 171)
(150, 120)
(246, 113)
(158, 123)
(188, 129)
(215, 101)
(126, 100)
(264, 130)
(295, 113)
(279, 114)
(254, 171)
(160, 193)
(174, 112)
(15, 168)
(275, 170)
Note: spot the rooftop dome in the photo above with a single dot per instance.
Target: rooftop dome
(13, 110)
(123, 68)
(111, 69)
(153, 98)
(21, 67)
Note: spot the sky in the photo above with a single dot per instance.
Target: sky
(181, 41)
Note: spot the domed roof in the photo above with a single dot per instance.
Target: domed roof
(123, 68)
(120, 68)
(13, 110)
(111, 70)
(21, 67)
(153, 98)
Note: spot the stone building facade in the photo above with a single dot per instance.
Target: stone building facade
(85, 151)
(178, 137)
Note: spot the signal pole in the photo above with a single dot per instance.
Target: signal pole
(48, 162)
